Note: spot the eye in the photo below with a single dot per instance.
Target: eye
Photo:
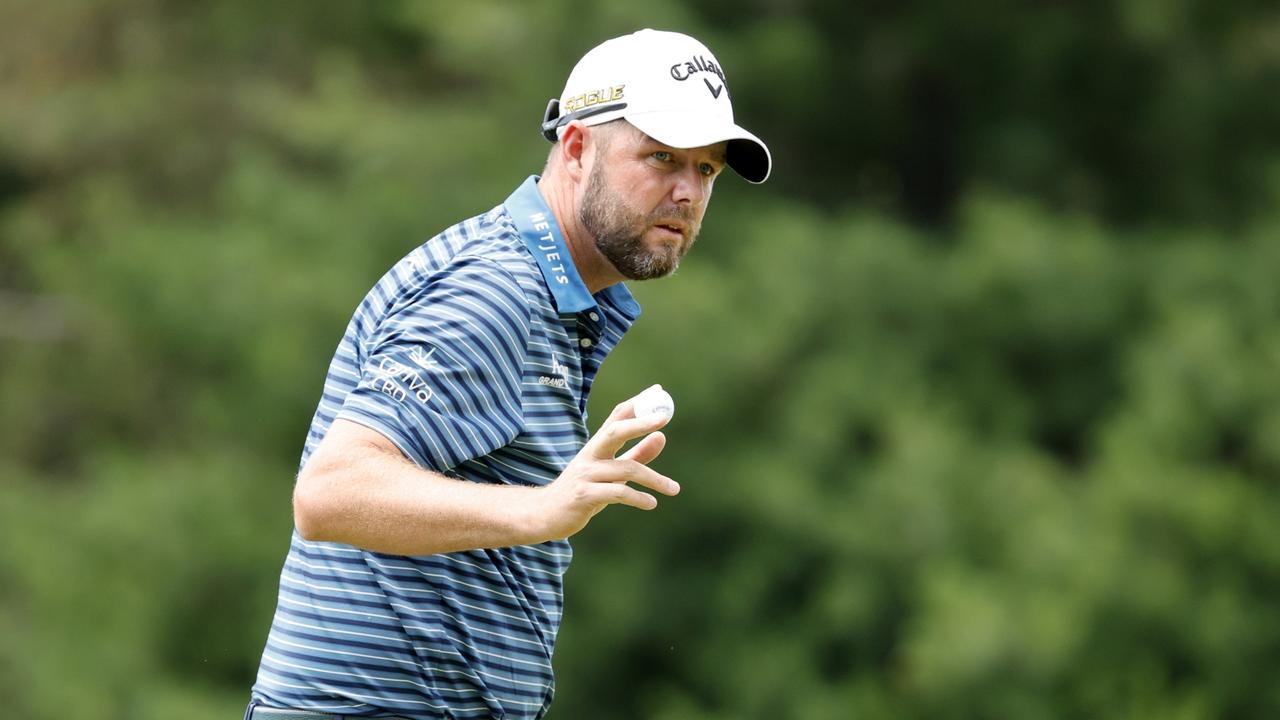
(662, 156)
(707, 169)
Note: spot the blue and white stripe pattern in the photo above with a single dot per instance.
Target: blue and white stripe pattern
(474, 354)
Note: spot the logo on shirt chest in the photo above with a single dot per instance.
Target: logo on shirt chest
(560, 373)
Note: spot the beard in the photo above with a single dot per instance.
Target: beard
(619, 231)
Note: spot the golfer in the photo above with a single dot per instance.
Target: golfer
(449, 460)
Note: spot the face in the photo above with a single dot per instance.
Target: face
(644, 201)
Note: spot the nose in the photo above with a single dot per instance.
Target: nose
(689, 189)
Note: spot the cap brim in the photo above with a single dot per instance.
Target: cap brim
(745, 153)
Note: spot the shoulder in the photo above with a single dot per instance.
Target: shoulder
(483, 248)
(493, 238)
(487, 244)
(480, 262)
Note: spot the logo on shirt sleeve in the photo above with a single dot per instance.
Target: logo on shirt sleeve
(399, 380)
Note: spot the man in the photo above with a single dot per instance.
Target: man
(449, 462)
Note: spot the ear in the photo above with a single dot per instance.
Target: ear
(573, 150)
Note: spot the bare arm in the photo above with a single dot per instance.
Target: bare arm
(357, 488)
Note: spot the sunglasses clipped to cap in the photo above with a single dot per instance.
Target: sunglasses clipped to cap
(552, 120)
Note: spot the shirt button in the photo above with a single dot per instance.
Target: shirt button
(585, 342)
(595, 317)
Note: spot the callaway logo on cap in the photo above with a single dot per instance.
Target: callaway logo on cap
(667, 85)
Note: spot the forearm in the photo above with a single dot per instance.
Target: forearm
(358, 489)
(360, 494)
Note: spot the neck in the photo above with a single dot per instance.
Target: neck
(596, 271)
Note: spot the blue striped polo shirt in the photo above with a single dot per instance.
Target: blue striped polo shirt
(474, 354)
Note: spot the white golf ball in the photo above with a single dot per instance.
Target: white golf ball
(654, 400)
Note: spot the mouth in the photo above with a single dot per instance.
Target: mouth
(672, 228)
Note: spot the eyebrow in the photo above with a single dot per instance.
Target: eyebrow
(720, 156)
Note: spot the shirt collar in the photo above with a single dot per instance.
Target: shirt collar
(541, 234)
(622, 300)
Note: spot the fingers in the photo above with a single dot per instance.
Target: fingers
(619, 429)
(621, 411)
(647, 449)
(624, 495)
(625, 471)
(608, 475)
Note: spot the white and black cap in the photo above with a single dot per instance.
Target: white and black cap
(669, 86)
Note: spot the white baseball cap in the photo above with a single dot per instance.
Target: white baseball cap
(666, 84)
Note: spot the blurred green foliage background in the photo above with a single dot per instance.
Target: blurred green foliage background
(979, 412)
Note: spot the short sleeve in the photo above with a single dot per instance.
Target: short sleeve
(441, 376)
